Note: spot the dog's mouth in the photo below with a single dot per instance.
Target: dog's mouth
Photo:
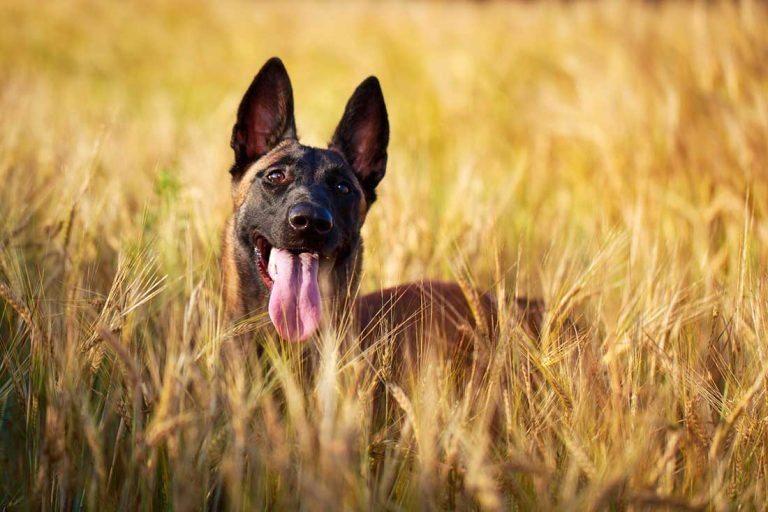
(263, 249)
(291, 276)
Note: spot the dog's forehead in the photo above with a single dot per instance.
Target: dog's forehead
(309, 163)
(303, 158)
(318, 159)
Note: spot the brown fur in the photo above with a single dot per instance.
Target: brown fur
(436, 319)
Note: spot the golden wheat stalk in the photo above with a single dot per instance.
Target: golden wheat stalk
(724, 429)
(23, 311)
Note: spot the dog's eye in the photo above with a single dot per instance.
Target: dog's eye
(342, 187)
(276, 177)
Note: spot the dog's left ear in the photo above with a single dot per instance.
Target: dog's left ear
(363, 134)
(265, 116)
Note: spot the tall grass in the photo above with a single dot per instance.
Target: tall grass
(611, 158)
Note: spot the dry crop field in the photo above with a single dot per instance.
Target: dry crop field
(611, 158)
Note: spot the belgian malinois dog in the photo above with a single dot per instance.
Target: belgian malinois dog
(292, 245)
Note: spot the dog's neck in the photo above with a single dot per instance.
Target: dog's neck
(343, 282)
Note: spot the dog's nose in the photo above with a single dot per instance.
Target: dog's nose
(306, 217)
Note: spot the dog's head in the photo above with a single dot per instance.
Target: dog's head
(299, 209)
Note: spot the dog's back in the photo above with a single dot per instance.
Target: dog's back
(422, 321)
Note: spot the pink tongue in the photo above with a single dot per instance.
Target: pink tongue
(294, 304)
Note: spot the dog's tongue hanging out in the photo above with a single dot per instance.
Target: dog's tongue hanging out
(294, 303)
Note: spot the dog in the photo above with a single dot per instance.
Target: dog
(292, 245)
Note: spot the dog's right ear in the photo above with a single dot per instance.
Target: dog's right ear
(265, 116)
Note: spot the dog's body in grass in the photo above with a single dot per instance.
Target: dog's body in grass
(293, 244)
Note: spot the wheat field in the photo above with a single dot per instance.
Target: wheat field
(611, 158)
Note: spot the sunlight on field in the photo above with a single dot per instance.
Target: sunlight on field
(610, 158)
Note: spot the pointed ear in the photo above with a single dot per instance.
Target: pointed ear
(265, 116)
(363, 134)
